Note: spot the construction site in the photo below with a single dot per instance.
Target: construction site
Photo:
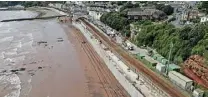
(194, 67)
(88, 58)
(131, 73)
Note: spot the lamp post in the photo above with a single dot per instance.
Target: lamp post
(167, 66)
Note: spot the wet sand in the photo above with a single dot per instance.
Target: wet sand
(47, 65)
(60, 73)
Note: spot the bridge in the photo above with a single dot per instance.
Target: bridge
(35, 18)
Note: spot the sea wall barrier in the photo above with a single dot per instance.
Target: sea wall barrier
(23, 19)
(11, 9)
(113, 66)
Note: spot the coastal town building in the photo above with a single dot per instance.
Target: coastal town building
(146, 14)
(97, 9)
(204, 19)
(189, 14)
(96, 14)
(55, 5)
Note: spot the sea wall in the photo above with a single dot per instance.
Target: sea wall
(113, 65)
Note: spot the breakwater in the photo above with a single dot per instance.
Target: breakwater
(22, 19)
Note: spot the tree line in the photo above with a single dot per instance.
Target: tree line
(187, 41)
(117, 21)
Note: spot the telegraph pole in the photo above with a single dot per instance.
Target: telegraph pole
(167, 66)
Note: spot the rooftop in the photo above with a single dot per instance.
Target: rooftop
(173, 66)
(150, 60)
(138, 11)
(199, 90)
(186, 79)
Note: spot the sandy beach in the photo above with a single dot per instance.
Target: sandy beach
(48, 60)
(101, 82)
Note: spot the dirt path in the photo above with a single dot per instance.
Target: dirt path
(101, 82)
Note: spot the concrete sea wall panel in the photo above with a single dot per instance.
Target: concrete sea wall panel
(112, 65)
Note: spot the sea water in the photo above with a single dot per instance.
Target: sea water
(15, 43)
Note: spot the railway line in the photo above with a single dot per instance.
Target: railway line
(130, 60)
(108, 81)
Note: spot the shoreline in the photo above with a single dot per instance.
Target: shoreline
(60, 67)
(29, 82)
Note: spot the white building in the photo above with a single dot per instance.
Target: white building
(198, 93)
(58, 5)
(80, 3)
(95, 14)
(181, 80)
(204, 19)
(55, 5)
(160, 67)
(51, 5)
(19, 6)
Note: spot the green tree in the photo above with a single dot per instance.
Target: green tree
(121, 2)
(114, 20)
(129, 5)
(187, 40)
(204, 5)
(165, 8)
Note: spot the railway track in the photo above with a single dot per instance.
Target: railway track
(130, 60)
(108, 81)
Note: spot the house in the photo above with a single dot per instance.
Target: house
(55, 5)
(16, 7)
(146, 14)
(96, 11)
(58, 5)
(78, 8)
(189, 14)
(51, 5)
(95, 14)
(193, 14)
(204, 19)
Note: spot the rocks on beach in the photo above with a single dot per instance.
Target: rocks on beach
(60, 39)
(42, 42)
